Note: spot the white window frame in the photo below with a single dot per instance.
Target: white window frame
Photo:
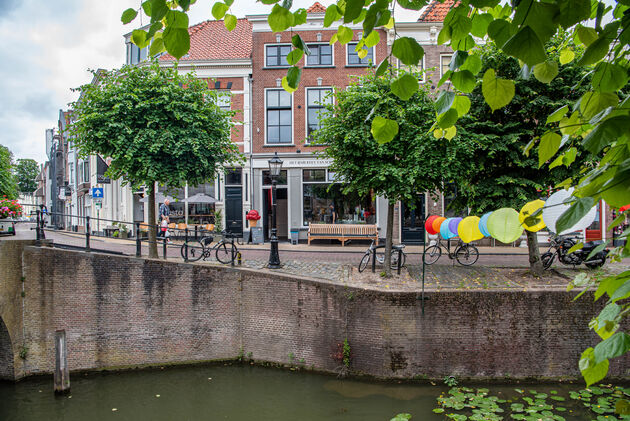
(332, 49)
(265, 55)
(292, 120)
(307, 141)
(440, 64)
(404, 66)
(221, 95)
(354, 44)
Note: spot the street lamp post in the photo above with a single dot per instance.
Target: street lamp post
(275, 167)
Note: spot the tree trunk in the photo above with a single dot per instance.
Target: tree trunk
(153, 254)
(535, 264)
(387, 263)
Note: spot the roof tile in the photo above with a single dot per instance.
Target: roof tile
(437, 10)
(316, 8)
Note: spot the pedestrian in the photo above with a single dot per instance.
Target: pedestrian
(165, 218)
(330, 214)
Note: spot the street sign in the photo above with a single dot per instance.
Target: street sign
(97, 192)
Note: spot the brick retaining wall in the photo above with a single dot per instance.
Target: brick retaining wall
(121, 311)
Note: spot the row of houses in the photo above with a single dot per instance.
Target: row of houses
(249, 63)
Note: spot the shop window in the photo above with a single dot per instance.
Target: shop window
(321, 55)
(279, 124)
(317, 99)
(355, 60)
(325, 203)
(276, 55)
(233, 177)
(281, 180)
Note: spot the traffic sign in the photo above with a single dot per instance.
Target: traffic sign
(97, 192)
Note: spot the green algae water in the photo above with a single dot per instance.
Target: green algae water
(237, 393)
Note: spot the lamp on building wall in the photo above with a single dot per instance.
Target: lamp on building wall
(275, 168)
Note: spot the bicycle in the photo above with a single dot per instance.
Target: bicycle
(225, 250)
(380, 257)
(465, 254)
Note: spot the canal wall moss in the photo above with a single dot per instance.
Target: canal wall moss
(126, 312)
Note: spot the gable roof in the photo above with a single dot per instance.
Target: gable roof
(437, 10)
(210, 40)
(316, 8)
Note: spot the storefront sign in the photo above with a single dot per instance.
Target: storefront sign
(295, 163)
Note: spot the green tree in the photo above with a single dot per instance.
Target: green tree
(157, 126)
(496, 173)
(398, 170)
(26, 171)
(8, 185)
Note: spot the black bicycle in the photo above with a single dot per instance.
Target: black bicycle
(380, 257)
(466, 254)
(225, 250)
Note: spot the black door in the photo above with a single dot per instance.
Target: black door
(413, 222)
(234, 210)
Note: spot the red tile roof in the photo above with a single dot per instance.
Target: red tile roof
(210, 40)
(437, 10)
(316, 8)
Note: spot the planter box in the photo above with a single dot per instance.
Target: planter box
(7, 227)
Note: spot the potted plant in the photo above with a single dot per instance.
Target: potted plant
(9, 209)
(253, 216)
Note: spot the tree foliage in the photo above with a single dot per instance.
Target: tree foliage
(8, 184)
(398, 169)
(26, 171)
(157, 126)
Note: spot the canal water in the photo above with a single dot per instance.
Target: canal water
(231, 392)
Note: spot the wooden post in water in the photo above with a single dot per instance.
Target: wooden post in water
(62, 375)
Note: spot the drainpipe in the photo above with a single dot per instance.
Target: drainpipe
(252, 196)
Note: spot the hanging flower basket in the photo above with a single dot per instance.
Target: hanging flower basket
(9, 209)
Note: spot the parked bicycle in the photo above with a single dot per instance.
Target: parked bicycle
(225, 250)
(397, 250)
(560, 245)
(466, 254)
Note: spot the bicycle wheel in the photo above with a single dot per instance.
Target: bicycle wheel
(395, 259)
(432, 254)
(467, 255)
(365, 260)
(226, 252)
(547, 259)
(195, 250)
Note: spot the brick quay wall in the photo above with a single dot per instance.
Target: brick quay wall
(123, 312)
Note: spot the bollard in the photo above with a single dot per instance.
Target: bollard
(195, 232)
(232, 253)
(239, 257)
(374, 260)
(87, 233)
(399, 257)
(164, 248)
(186, 243)
(38, 235)
(62, 375)
(138, 243)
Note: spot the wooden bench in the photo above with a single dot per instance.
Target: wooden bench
(342, 232)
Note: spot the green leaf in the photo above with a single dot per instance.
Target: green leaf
(497, 92)
(539, 16)
(299, 43)
(185, 4)
(445, 77)
(558, 114)
(405, 86)
(592, 103)
(621, 292)
(299, 17)
(462, 105)
(591, 371)
(294, 56)
(595, 52)
(526, 46)
(566, 56)
(353, 10)
(128, 15)
(472, 64)
(556, 163)
(609, 77)
(464, 81)
(372, 39)
(572, 12)
(155, 26)
(344, 35)
(382, 68)
(157, 46)
(139, 37)
(407, 50)
(146, 6)
(500, 31)
(444, 101)
(450, 132)
(412, 4)
(176, 41)
(280, 18)
(383, 129)
(219, 10)
(586, 35)
(448, 119)
(293, 76)
(285, 85)
(177, 19)
(158, 10)
(458, 58)
(569, 157)
(230, 22)
(332, 14)
(480, 23)
(549, 144)
(613, 347)
(546, 72)
(606, 133)
(460, 27)
(577, 211)
(464, 44)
